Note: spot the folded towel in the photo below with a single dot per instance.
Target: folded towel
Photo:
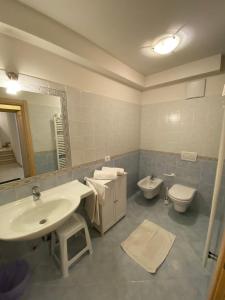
(110, 175)
(119, 171)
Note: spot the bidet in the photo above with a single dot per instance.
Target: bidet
(150, 186)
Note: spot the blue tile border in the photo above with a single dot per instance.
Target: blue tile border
(45, 161)
(129, 161)
(138, 164)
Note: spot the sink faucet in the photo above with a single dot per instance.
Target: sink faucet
(36, 192)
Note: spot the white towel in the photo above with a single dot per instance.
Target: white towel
(92, 205)
(119, 171)
(148, 245)
(100, 188)
(93, 201)
(103, 175)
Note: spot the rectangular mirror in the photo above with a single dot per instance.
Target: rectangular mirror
(32, 135)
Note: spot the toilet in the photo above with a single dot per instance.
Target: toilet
(181, 196)
(150, 186)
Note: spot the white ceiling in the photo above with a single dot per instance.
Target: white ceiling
(122, 26)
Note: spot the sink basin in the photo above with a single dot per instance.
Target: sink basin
(42, 218)
(25, 219)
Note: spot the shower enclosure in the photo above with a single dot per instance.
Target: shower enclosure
(215, 241)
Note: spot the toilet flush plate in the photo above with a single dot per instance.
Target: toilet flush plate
(189, 156)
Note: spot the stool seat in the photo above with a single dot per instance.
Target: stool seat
(72, 226)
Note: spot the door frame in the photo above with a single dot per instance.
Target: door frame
(217, 289)
(24, 126)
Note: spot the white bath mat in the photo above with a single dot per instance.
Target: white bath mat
(149, 245)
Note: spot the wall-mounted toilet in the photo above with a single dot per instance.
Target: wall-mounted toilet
(181, 196)
(150, 186)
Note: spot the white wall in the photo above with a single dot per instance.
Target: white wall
(33, 61)
(200, 67)
(41, 110)
(14, 137)
(112, 127)
(101, 126)
(170, 123)
(4, 128)
(9, 133)
(214, 87)
(24, 23)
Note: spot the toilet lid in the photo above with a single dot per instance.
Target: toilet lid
(181, 192)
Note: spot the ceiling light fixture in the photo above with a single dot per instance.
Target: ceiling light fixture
(166, 44)
(12, 85)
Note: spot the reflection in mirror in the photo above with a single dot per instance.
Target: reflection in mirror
(31, 135)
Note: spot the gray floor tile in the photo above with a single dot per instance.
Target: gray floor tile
(110, 274)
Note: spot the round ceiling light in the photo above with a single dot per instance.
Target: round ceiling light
(166, 44)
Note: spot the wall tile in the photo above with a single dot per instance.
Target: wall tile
(64, 177)
(7, 196)
(101, 126)
(182, 125)
(45, 161)
(199, 174)
(48, 182)
(25, 190)
(129, 161)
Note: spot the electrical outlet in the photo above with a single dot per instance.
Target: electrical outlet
(107, 158)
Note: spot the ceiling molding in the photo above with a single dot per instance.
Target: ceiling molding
(62, 41)
(199, 68)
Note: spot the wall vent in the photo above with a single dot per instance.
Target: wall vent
(195, 89)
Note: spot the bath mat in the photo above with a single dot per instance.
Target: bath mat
(149, 245)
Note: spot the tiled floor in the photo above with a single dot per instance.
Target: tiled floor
(11, 172)
(109, 274)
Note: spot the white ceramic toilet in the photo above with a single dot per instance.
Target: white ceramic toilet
(181, 196)
(150, 186)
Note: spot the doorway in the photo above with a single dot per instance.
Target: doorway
(16, 150)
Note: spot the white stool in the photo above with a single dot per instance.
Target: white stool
(75, 224)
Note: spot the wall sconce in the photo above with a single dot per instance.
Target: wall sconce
(12, 85)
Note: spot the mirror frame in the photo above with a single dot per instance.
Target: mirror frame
(43, 87)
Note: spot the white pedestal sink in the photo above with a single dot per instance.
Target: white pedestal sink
(26, 219)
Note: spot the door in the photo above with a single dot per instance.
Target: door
(108, 208)
(121, 197)
(217, 291)
(21, 110)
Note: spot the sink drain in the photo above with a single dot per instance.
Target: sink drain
(43, 221)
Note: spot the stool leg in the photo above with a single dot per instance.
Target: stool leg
(53, 241)
(64, 257)
(88, 240)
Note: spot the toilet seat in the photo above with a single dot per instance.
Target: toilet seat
(181, 193)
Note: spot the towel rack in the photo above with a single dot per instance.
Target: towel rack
(60, 142)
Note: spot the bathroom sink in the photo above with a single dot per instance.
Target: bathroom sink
(27, 219)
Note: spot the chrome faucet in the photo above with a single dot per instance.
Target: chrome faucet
(36, 193)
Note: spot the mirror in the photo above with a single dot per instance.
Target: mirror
(32, 135)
